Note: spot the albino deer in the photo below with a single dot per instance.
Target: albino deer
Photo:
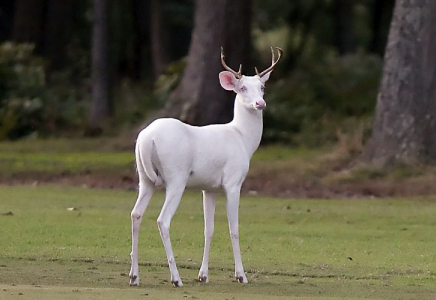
(177, 155)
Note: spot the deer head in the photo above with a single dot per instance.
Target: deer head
(249, 88)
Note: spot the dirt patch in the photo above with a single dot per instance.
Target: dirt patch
(276, 184)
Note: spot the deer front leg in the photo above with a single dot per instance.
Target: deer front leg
(172, 200)
(209, 201)
(233, 217)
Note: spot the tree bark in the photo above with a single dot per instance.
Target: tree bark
(141, 38)
(404, 129)
(6, 20)
(101, 104)
(199, 99)
(28, 22)
(343, 12)
(159, 39)
(58, 31)
(381, 18)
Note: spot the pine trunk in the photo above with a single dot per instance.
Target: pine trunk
(59, 27)
(404, 129)
(199, 99)
(343, 12)
(141, 38)
(381, 17)
(159, 36)
(28, 21)
(100, 106)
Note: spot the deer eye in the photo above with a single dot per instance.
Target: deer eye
(262, 88)
(243, 89)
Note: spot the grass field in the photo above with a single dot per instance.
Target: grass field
(81, 156)
(308, 249)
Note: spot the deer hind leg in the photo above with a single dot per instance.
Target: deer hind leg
(146, 189)
(209, 201)
(172, 200)
(232, 206)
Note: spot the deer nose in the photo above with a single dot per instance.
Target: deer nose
(260, 104)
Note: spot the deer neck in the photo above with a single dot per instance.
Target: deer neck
(248, 122)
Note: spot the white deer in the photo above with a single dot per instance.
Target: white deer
(177, 155)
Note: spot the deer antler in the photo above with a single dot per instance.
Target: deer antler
(274, 63)
(237, 74)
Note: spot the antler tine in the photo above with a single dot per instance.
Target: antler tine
(272, 54)
(237, 74)
(273, 64)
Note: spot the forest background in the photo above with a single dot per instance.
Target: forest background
(357, 79)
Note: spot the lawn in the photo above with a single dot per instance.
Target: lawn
(309, 249)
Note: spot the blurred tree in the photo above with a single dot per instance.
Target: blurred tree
(141, 39)
(6, 20)
(344, 34)
(28, 22)
(381, 17)
(404, 130)
(101, 107)
(199, 99)
(159, 39)
(58, 31)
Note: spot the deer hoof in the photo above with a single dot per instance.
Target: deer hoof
(203, 279)
(177, 283)
(134, 280)
(242, 279)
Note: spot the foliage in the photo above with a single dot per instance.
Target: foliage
(317, 97)
(31, 103)
(320, 92)
(22, 80)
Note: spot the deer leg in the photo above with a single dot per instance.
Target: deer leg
(209, 201)
(233, 215)
(146, 190)
(172, 200)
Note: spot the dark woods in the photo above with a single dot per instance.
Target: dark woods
(77, 67)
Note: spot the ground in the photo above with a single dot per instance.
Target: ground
(279, 171)
(74, 243)
(65, 228)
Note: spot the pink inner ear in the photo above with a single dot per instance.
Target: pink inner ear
(227, 80)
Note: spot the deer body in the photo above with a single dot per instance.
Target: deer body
(177, 155)
(209, 156)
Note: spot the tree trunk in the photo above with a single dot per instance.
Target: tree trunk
(59, 27)
(381, 17)
(343, 12)
(141, 37)
(159, 39)
(199, 99)
(6, 20)
(404, 129)
(28, 22)
(101, 105)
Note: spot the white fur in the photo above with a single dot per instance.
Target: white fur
(178, 155)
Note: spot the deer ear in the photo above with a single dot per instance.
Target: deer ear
(228, 81)
(265, 77)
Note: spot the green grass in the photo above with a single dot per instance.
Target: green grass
(291, 248)
(64, 157)
(86, 156)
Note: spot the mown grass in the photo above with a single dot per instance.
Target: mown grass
(291, 248)
(85, 156)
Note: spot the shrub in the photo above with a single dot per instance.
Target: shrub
(22, 80)
(311, 104)
(29, 104)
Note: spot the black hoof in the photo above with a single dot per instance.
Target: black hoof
(202, 278)
(133, 281)
(175, 283)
